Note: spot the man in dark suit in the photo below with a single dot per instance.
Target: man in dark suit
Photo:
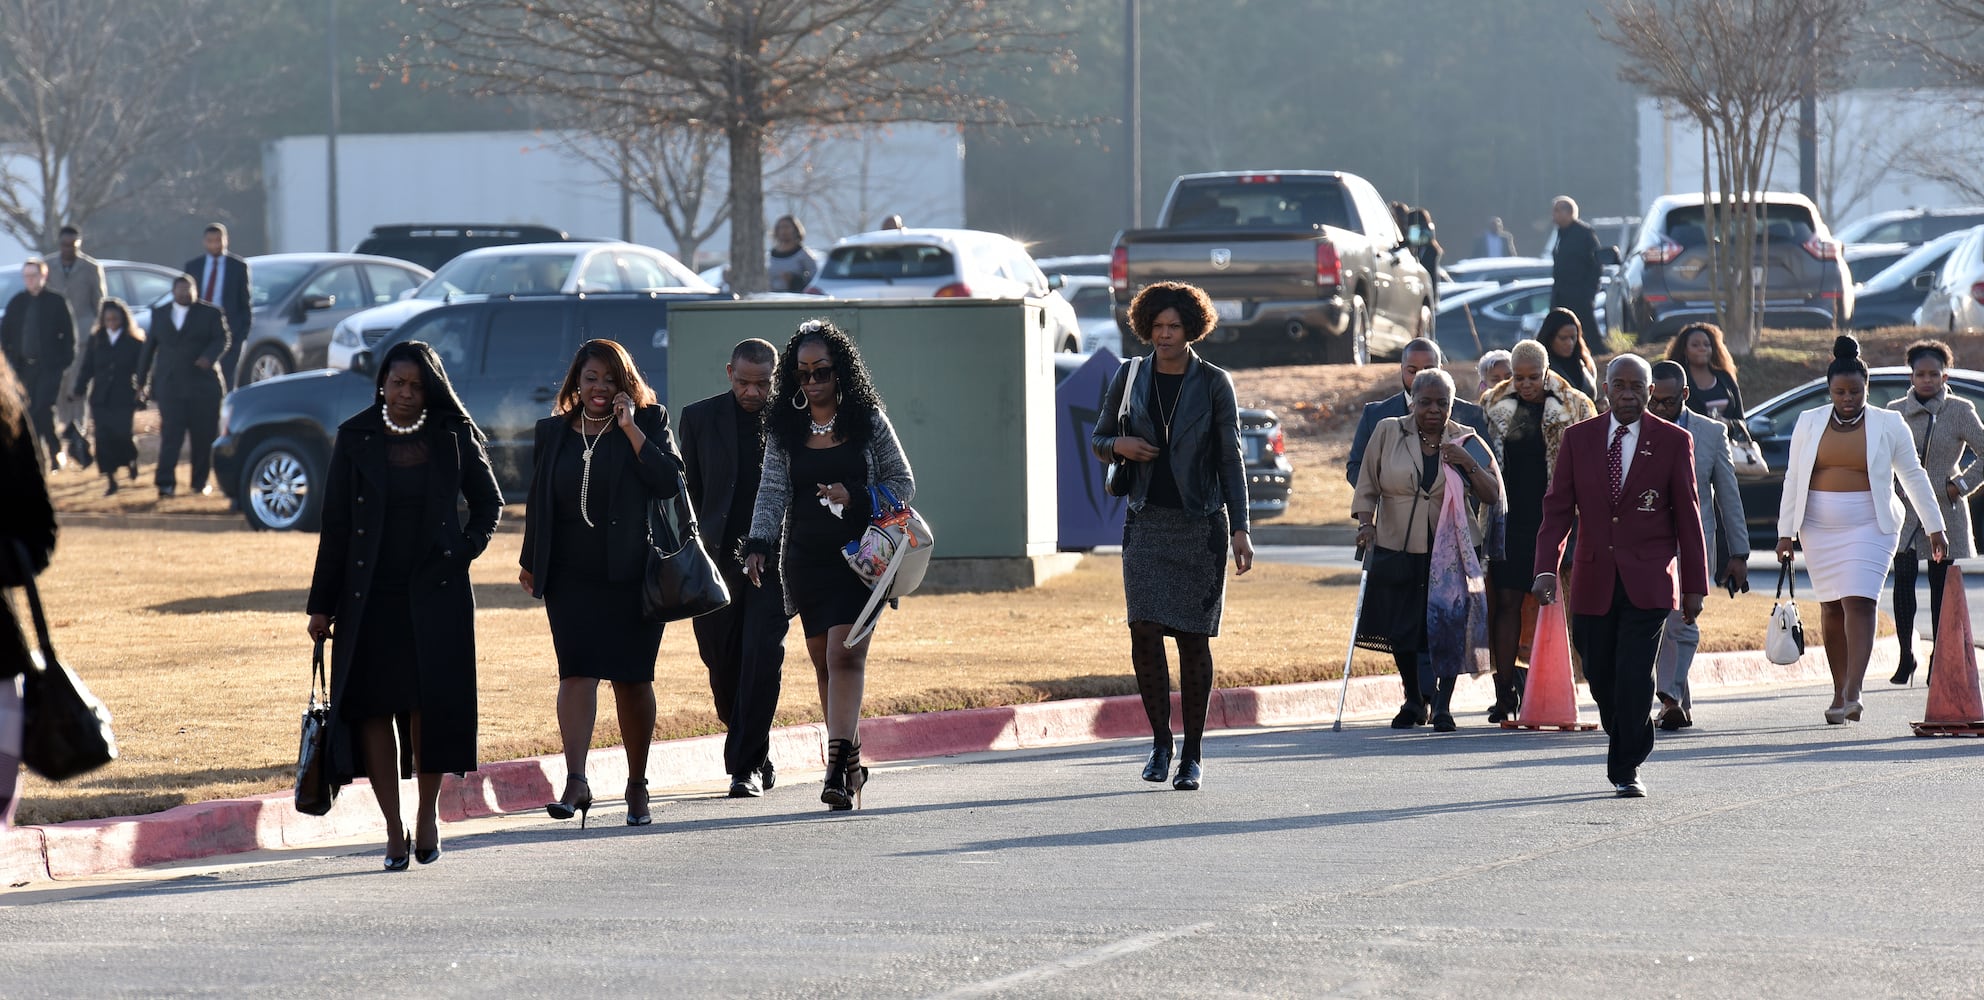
(723, 451)
(221, 279)
(1419, 355)
(1495, 241)
(1627, 480)
(1575, 270)
(187, 340)
(40, 340)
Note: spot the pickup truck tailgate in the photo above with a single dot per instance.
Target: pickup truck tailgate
(1256, 265)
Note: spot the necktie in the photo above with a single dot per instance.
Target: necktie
(1613, 465)
(213, 275)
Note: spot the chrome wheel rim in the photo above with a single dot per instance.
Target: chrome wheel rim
(266, 366)
(278, 487)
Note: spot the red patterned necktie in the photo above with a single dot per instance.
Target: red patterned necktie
(213, 272)
(1613, 466)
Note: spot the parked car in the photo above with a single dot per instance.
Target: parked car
(1263, 447)
(506, 356)
(1914, 226)
(1891, 297)
(433, 244)
(139, 284)
(1089, 295)
(1499, 270)
(1955, 301)
(1094, 264)
(1495, 317)
(523, 269)
(298, 298)
(1864, 260)
(1770, 424)
(1302, 265)
(1665, 283)
(945, 263)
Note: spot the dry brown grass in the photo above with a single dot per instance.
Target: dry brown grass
(76, 490)
(196, 642)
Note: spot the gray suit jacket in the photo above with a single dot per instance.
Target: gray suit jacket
(1715, 481)
(83, 287)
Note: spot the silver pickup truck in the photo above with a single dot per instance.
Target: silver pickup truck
(1303, 266)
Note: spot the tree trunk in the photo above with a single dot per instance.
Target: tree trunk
(747, 208)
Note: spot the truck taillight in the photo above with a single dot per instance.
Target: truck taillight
(1822, 248)
(1276, 442)
(1662, 253)
(1119, 269)
(1329, 267)
(954, 290)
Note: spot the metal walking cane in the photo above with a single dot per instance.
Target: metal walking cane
(1356, 612)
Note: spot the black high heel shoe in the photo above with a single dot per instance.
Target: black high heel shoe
(857, 774)
(836, 792)
(645, 816)
(1905, 669)
(398, 864)
(1158, 766)
(427, 855)
(578, 806)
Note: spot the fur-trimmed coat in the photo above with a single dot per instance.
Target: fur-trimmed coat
(1562, 407)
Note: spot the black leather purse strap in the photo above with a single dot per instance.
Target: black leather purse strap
(679, 515)
(20, 550)
(1786, 581)
(318, 682)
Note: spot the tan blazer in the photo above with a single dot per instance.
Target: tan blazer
(1389, 480)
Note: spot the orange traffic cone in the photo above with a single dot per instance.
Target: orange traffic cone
(1956, 706)
(1550, 699)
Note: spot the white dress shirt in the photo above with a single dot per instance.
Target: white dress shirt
(179, 315)
(1626, 447)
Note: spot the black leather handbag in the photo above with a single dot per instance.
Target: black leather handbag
(1117, 477)
(314, 791)
(67, 732)
(681, 580)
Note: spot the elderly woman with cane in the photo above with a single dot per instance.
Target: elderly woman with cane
(1429, 497)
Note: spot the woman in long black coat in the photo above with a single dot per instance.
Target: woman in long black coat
(601, 460)
(392, 581)
(27, 523)
(109, 377)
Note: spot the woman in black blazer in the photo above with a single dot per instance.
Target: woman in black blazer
(109, 377)
(602, 458)
(391, 590)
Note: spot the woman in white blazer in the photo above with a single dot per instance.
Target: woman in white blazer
(1839, 501)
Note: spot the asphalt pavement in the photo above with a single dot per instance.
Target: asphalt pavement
(1776, 857)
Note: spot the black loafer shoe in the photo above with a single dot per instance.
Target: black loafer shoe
(1444, 723)
(767, 775)
(1408, 716)
(1188, 777)
(1634, 789)
(1672, 718)
(745, 786)
(1158, 766)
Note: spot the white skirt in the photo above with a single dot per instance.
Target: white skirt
(1846, 552)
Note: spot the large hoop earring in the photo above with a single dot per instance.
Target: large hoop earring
(799, 401)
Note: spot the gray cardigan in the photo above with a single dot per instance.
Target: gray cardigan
(1956, 425)
(772, 516)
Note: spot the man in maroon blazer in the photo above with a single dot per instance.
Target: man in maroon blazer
(1627, 479)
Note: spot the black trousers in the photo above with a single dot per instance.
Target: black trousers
(179, 417)
(1618, 649)
(44, 385)
(744, 648)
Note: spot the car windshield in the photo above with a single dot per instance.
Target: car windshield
(1092, 302)
(888, 263)
(1863, 266)
(271, 281)
(499, 274)
(1258, 200)
(1927, 257)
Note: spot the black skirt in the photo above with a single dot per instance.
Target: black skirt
(598, 628)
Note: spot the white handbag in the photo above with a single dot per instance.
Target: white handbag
(1784, 643)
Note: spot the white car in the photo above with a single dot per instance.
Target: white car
(944, 264)
(1955, 303)
(520, 269)
(1094, 310)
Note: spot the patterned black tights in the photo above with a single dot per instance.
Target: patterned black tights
(1154, 683)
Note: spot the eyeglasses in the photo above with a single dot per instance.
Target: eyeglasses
(823, 374)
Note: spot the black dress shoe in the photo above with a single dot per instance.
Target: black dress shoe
(1634, 789)
(111, 489)
(767, 775)
(1189, 773)
(1672, 718)
(1409, 715)
(1158, 766)
(1444, 723)
(168, 491)
(745, 786)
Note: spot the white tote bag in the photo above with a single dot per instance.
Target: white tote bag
(1785, 642)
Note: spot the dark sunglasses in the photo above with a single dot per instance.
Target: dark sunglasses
(824, 373)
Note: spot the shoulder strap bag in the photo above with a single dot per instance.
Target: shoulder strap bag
(67, 732)
(1784, 643)
(314, 791)
(1116, 479)
(681, 579)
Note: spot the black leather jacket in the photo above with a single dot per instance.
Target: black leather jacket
(1205, 439)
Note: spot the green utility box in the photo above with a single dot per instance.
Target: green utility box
(969, 385)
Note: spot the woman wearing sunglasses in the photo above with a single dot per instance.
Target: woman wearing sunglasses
(826, 441)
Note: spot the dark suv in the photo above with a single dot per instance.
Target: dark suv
(506, 357)
(1665, 283)
(431, 245)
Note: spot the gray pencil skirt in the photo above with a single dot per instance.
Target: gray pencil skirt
(1174, 568)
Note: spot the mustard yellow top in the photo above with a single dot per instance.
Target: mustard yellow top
(1841, 465)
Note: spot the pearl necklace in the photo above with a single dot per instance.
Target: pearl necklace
(1844, 423)
(386, 413)
(819, 428)
(585, 457)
